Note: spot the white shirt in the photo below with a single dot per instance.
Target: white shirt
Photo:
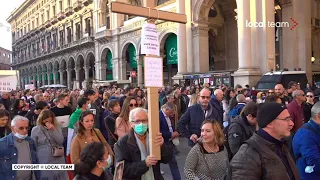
(168, 121)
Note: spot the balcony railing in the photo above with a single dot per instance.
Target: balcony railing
(77, 5)
(61, 15)
(104, 33)
(87, 2)
(68, 11)
(54, 20)
(48, 23)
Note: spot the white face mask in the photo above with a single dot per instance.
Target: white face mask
(19, 136)
(109, 161)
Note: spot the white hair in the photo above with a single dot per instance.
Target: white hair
(217, 91)
(18, 118)
(135, 111)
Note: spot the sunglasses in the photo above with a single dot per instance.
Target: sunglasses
(133, 105)
(270, 92)
(205, 97)
(310, 96)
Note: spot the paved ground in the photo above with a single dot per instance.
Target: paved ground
(184, 150)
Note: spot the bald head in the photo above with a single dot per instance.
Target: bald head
(219, 94)
(279, 89)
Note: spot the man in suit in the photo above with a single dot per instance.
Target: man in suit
(169, 135)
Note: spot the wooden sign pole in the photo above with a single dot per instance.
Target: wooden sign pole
(153, 103)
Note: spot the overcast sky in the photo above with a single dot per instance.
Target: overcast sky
(5, 33)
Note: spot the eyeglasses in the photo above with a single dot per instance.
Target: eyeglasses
(285, 119)
(131, 105)
(205, 97)
(270, 92)
(22, 128)
(139, 121)
(301, 95)
(310, 96)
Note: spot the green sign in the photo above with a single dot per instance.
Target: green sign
(109, 76)
(172, 49)
(132, 56)
(109, 61)
(57, 75)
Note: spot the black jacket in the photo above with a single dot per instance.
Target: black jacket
(218, 109)
(239, 131)
(107, 176)
(127, 149)
(247, 164)
(110, 124)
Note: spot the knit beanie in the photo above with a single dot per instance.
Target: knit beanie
(267, 112)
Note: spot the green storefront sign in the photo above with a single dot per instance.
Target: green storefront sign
(109, 60)
(172, 49)
(132, 56)
(109, 75)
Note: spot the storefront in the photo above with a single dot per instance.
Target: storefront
(109, 73)
(213, 78)
(170, 61)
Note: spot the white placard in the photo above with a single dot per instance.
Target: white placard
(153, 72)
(206, 80)
(8, 83)
(149, 40)
(29, 86)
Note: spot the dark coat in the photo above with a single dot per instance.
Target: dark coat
(193, 118)
(127, 150)
(239, 131)
(246, 164)
(218, 109)
(164, 128)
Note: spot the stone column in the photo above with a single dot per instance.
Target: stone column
(86, 75)
(116, 69)
(266, 36)
(54, 76)
(123, 69)
(181, 38)
(69, 76)
(247, 72)
(302, 15)
(140, 71)
(102, 74)
(61, 77)
(200, 48)
(43, 78)
(189, 38)
(77, 70)
(49, 78)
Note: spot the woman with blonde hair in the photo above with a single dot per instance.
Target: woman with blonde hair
(49, 141)
(122, 121)
(208, 159)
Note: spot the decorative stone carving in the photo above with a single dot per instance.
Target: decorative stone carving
(200, 31)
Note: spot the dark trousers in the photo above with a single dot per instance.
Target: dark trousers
(173, 164)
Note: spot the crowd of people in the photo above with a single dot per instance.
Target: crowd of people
(235, 133)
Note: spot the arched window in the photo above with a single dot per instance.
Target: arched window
(135, 3)
(161, 2)
(213, 12)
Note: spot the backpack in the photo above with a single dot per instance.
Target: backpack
(226, 132)
(236, 110)
(255, 147)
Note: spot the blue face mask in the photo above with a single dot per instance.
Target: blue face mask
(141, 128)
(19, 136)
(109, 161)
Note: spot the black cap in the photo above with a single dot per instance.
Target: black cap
(268, 112)
(89, 92)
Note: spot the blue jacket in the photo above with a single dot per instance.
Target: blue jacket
(9, 156)
(164, 128)
(306, 143)
(193, 118)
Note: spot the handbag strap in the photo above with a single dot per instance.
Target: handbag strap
(97, 135)
(46, 136)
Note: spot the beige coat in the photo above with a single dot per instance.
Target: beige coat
(79, 142)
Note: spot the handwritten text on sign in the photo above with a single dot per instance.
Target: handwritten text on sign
(149, 40)
(153, 72)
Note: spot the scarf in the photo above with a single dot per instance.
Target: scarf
(144, 153)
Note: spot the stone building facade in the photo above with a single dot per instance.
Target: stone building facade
(5, 58)
(81, 42)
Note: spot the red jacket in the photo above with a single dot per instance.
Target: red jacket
(296, 112)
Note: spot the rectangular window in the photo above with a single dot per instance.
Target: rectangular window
(54, 10)
(60, 4)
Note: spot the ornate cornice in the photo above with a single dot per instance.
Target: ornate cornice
(200, 31)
